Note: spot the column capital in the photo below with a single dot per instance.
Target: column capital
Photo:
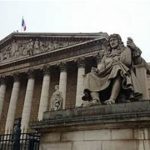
(81, 62)
(3, 80)
(16, 76)
(31, 73)
(63, 66)
(46, 69)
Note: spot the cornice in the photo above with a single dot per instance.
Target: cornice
(96, 117)
(52, 35)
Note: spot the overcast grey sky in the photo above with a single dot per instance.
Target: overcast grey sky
(129, 18)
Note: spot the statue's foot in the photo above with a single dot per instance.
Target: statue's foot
(109, 102)
(85, 104)
(95, 102)
(90, 103)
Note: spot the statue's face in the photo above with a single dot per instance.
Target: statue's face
(114, 42)
(56, 87)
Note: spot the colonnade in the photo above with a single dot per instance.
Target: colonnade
(44, 98)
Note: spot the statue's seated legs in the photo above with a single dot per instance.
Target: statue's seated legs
(90, 98)
(115, 91)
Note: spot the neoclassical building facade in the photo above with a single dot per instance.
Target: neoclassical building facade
(31, 64)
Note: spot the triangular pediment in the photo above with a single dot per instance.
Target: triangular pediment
(22, 45)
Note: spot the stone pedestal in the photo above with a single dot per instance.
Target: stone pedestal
(101, 127)
(142, 78)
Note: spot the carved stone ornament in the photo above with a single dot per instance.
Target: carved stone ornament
(63, 66)
(31, 73)
(30, 47)
(46, 69)
(81, 62)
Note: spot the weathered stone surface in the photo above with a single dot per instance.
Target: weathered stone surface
(56, 146)
(146, 144)
(97, 115)
(139, 133)
(73, 136)
(95, 135)
(122, 145)
(50, 137)
(102, 139)
(87, 145)
(122, 134)
(140, 106)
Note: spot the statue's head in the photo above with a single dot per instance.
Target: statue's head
(56, 87)
(115, 41)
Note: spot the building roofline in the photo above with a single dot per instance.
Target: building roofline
(53, 34)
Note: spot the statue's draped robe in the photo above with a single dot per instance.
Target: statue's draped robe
(56, 100)
(117, 63)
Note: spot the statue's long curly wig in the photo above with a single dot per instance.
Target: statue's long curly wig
(120, 43)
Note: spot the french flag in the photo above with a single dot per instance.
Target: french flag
(23, 24)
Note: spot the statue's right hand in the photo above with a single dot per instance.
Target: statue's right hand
(93, 69)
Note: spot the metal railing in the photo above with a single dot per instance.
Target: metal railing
(27, 141)
(16, 140)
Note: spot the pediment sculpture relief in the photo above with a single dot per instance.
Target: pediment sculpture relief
(31, 47)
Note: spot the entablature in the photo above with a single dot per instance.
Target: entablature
(66, 54)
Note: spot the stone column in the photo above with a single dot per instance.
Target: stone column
(80, 79)
(12, 105)
(28, 102)
(142, 78)
(2, 94)
(44, 93)
(99, 58)
(63, 82)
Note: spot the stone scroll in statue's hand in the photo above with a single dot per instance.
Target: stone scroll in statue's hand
(130, 43)
(136, 52)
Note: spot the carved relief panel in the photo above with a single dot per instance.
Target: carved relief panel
(23, 48)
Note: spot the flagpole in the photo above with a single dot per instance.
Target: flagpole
(21, 24)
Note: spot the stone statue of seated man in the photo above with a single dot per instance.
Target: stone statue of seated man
(115, 80)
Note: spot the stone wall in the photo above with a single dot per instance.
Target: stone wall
(123, 126)
(102, 139)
